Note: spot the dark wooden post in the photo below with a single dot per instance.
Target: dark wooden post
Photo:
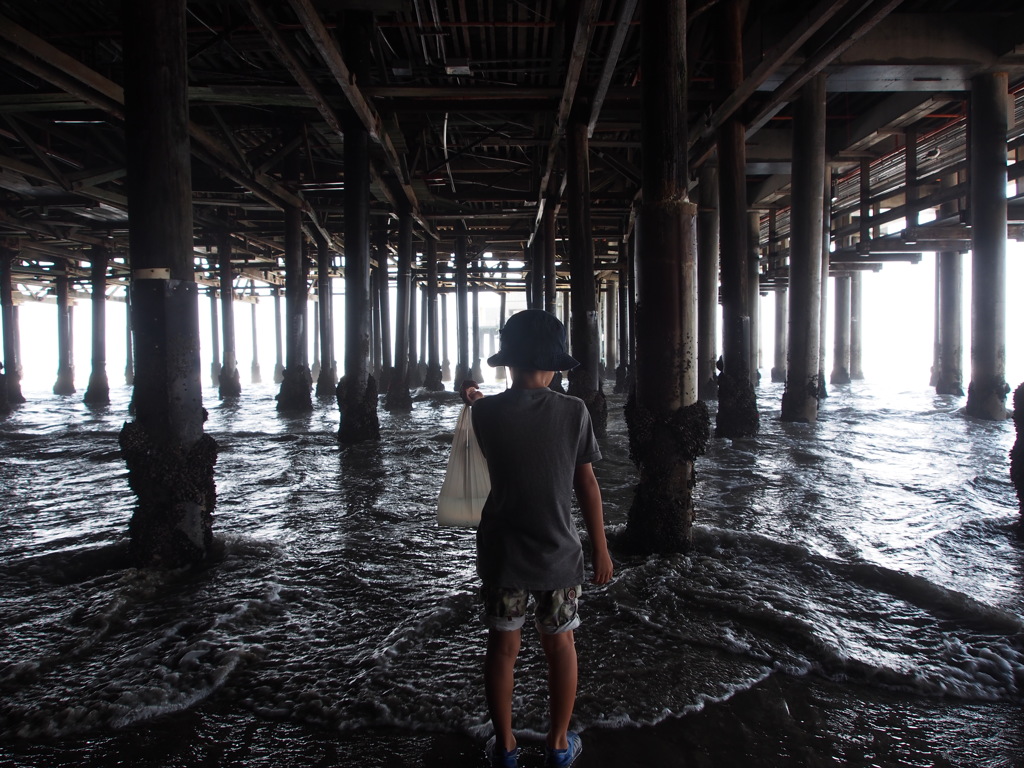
(989, 112)
(446, 363)
(255, 375)
(229, 379)
(214, 337)
(415, 304)
(584, 381)
(668, 425)
(296, 381)
(622, 372)
(949, 378)
(432, 380)
(170, 460)
(462, 321)
(380, 247)
(754, 293)
(98, 390)
(856, 331)
(65, 384)
(707, 284)
(12, 377)
(737, 404)
(278, 342)
(781, 305)
(327, 378)
(398, 397)
(548, 259)
(841, 337)
(800, 400)
(129, 358)
(825, 243)
(475, 372)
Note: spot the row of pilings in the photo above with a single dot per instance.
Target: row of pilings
(660, 301)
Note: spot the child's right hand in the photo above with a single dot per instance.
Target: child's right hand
(469, 391)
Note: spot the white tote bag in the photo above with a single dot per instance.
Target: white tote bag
(466, 483)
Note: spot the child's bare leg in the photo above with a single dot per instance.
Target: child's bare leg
(499, 677)
(560, 651)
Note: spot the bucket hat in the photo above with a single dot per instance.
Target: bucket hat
(533, 339)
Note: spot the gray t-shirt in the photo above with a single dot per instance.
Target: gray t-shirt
(533, 440)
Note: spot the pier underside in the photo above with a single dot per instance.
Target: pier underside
(293, 150)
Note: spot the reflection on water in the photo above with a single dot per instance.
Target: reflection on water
(875, 554)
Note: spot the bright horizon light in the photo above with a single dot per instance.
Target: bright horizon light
(898, 330)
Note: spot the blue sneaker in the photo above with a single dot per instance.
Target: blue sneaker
(500, 757)
(562, 758)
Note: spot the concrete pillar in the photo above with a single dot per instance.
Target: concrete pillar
(296, 382)
(278, 342)
(432, 379)
(989, 114)
(98, 390)
(12, 377)
(214, 337)
(666, 404)
(841, 338)
(229, 379)
(170, 460)
(65, 384)
(398, 396)
(707, 284)
(856, 329)
(800, 400)
(462, 364)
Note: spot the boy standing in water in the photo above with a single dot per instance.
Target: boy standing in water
(539, 446)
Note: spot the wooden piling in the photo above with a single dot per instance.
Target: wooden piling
(170, 460)
(668, 425)
(12, 377)
(327, 376)
(462, 321)
(986, 394)
(98, 390)
(398, 397)
(800, 400)
(432, 380)
(296, 380)
(707, 284)
(949, 374)
(737, 404)
(229, 380)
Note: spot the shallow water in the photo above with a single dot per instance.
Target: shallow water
(873, 558)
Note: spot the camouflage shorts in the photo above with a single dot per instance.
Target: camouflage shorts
(555, 611)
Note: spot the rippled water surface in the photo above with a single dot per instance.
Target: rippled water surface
(874, 556)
